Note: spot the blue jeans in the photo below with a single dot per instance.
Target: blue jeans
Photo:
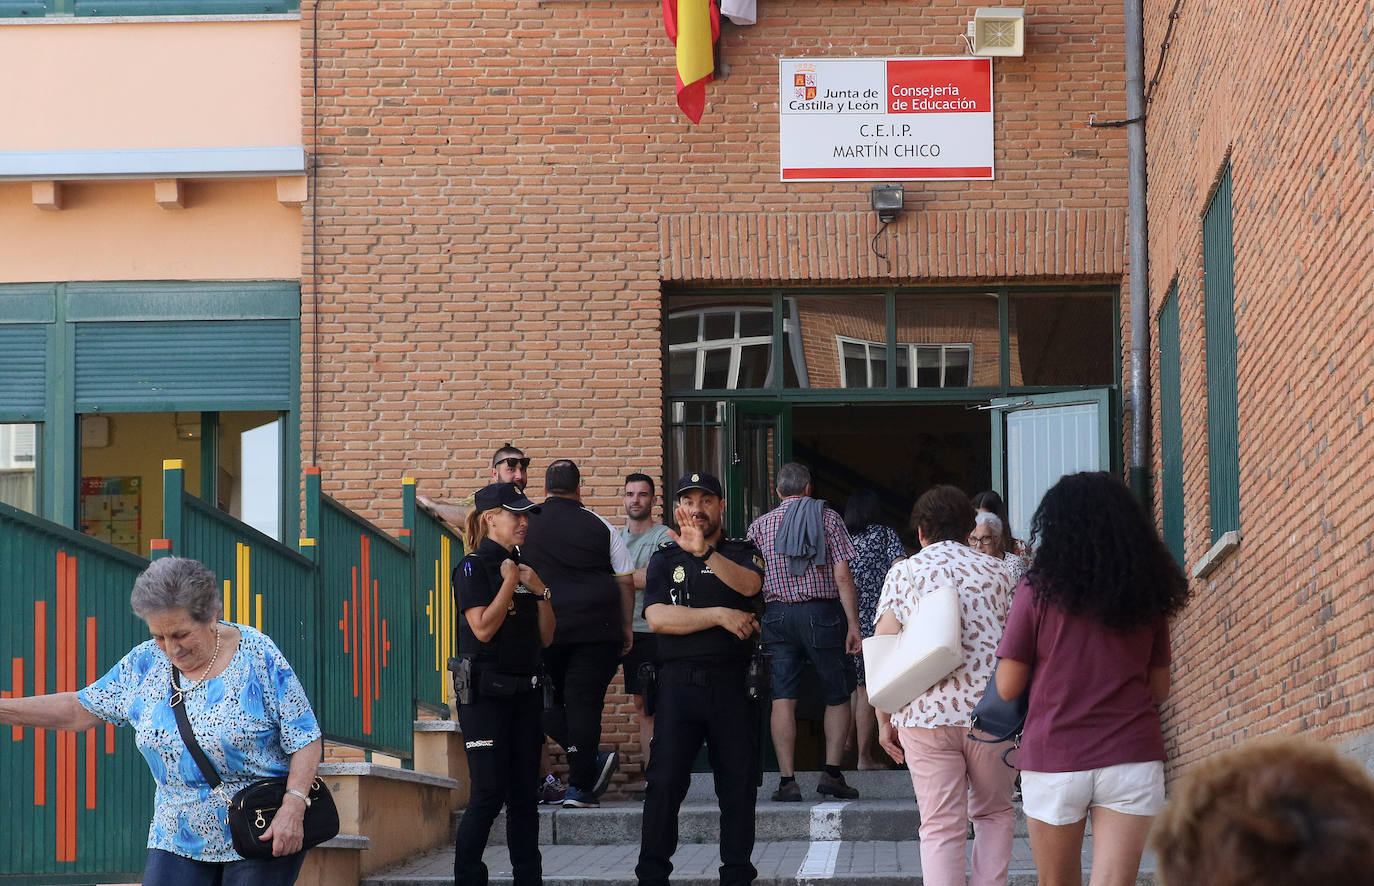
(814, 630)
(168, 869)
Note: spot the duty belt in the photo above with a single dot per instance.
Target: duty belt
(698, 675)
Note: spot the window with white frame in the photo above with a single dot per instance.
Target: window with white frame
(724, 348)
(863, 364)
(18, 465)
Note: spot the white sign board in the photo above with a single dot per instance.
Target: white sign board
(885, 119)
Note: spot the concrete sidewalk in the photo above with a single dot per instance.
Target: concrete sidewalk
(861, 863)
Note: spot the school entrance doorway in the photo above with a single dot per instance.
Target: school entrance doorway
(893, 390)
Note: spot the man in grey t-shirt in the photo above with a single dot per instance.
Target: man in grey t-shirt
(642, 536)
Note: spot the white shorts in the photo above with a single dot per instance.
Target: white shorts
(1060, 798)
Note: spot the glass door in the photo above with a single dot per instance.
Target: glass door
(759, 436)
(1036, 439)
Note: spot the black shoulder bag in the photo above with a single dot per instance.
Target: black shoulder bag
(252, 809)
(1004, 720)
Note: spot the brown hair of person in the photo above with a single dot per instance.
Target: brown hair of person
(1271, 812)
(943, 513)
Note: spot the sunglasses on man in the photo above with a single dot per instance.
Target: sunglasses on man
(513, 463)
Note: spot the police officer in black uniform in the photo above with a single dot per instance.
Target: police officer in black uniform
(507, 619)
(702, 600)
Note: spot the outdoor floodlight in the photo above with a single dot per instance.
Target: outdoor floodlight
(996, 31)
(886, 201)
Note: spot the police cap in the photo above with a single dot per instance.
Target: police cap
(503, 495)
(700, 480)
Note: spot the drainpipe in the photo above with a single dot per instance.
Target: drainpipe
(1139, 280)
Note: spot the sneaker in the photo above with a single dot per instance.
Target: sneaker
(606, 765)
(836, 787)
(576, 799)
(787, 793)
(552, 791)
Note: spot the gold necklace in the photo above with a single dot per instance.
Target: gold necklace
(206, 672)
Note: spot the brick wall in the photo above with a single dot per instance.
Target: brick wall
(503, 186)
(1278, 638)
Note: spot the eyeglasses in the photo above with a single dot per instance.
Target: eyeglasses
(982, 541)
(513, 463)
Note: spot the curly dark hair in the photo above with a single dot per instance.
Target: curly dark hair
(1098, 554)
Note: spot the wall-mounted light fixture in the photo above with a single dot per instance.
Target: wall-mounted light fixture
(886, 201)
(998, 31)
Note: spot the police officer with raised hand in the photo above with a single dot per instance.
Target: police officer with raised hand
(701, 599)
(507, 619)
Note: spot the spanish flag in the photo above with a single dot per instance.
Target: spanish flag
(694, 27)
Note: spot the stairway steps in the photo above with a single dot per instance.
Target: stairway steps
(619, 822)
(839, 863)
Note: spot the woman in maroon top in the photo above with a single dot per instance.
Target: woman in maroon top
(1090, 622)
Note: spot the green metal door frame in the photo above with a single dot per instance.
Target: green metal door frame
(737, 485)
(1108, 454)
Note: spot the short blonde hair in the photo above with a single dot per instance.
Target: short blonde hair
(1271, 812)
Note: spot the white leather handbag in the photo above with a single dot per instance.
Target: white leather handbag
(898, 667)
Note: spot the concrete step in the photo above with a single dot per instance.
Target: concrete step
(699, 822)
(881, 784)
(839, 863)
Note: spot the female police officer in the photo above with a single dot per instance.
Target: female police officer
(506, 620)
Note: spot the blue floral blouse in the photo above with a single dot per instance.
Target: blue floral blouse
(249, 720)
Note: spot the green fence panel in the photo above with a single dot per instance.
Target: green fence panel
(266, 585)
(76, 806)
(436, 551)
(366, 601)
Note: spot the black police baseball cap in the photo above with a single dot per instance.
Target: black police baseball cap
(700, 480)
(503, 495)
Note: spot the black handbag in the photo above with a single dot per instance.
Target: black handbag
(1003, 720)
(252, 808)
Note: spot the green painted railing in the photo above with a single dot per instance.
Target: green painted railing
(367, 610)
(266, 584)
(364, 619)
(436, 551)
(73, 805)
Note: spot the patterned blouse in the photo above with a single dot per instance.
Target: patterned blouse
(985, 589)
(249, 720)
(876, 548)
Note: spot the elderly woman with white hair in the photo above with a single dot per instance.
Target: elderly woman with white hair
(248, 712)
(988, 535)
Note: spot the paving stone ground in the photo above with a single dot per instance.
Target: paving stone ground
(875, 863)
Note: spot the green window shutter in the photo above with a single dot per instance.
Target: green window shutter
(22, 9)
(1171, 424)
(23, 371)
(184, 7)
(1223, 431)
(224, 365)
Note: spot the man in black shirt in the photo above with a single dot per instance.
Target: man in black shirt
(701, 599)
(582, 558)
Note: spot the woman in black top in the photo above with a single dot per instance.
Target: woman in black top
(507, 620)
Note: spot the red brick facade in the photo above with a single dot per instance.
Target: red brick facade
(1279, 636)
(505, 187)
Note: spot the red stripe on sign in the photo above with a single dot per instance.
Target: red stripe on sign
(890, 173)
